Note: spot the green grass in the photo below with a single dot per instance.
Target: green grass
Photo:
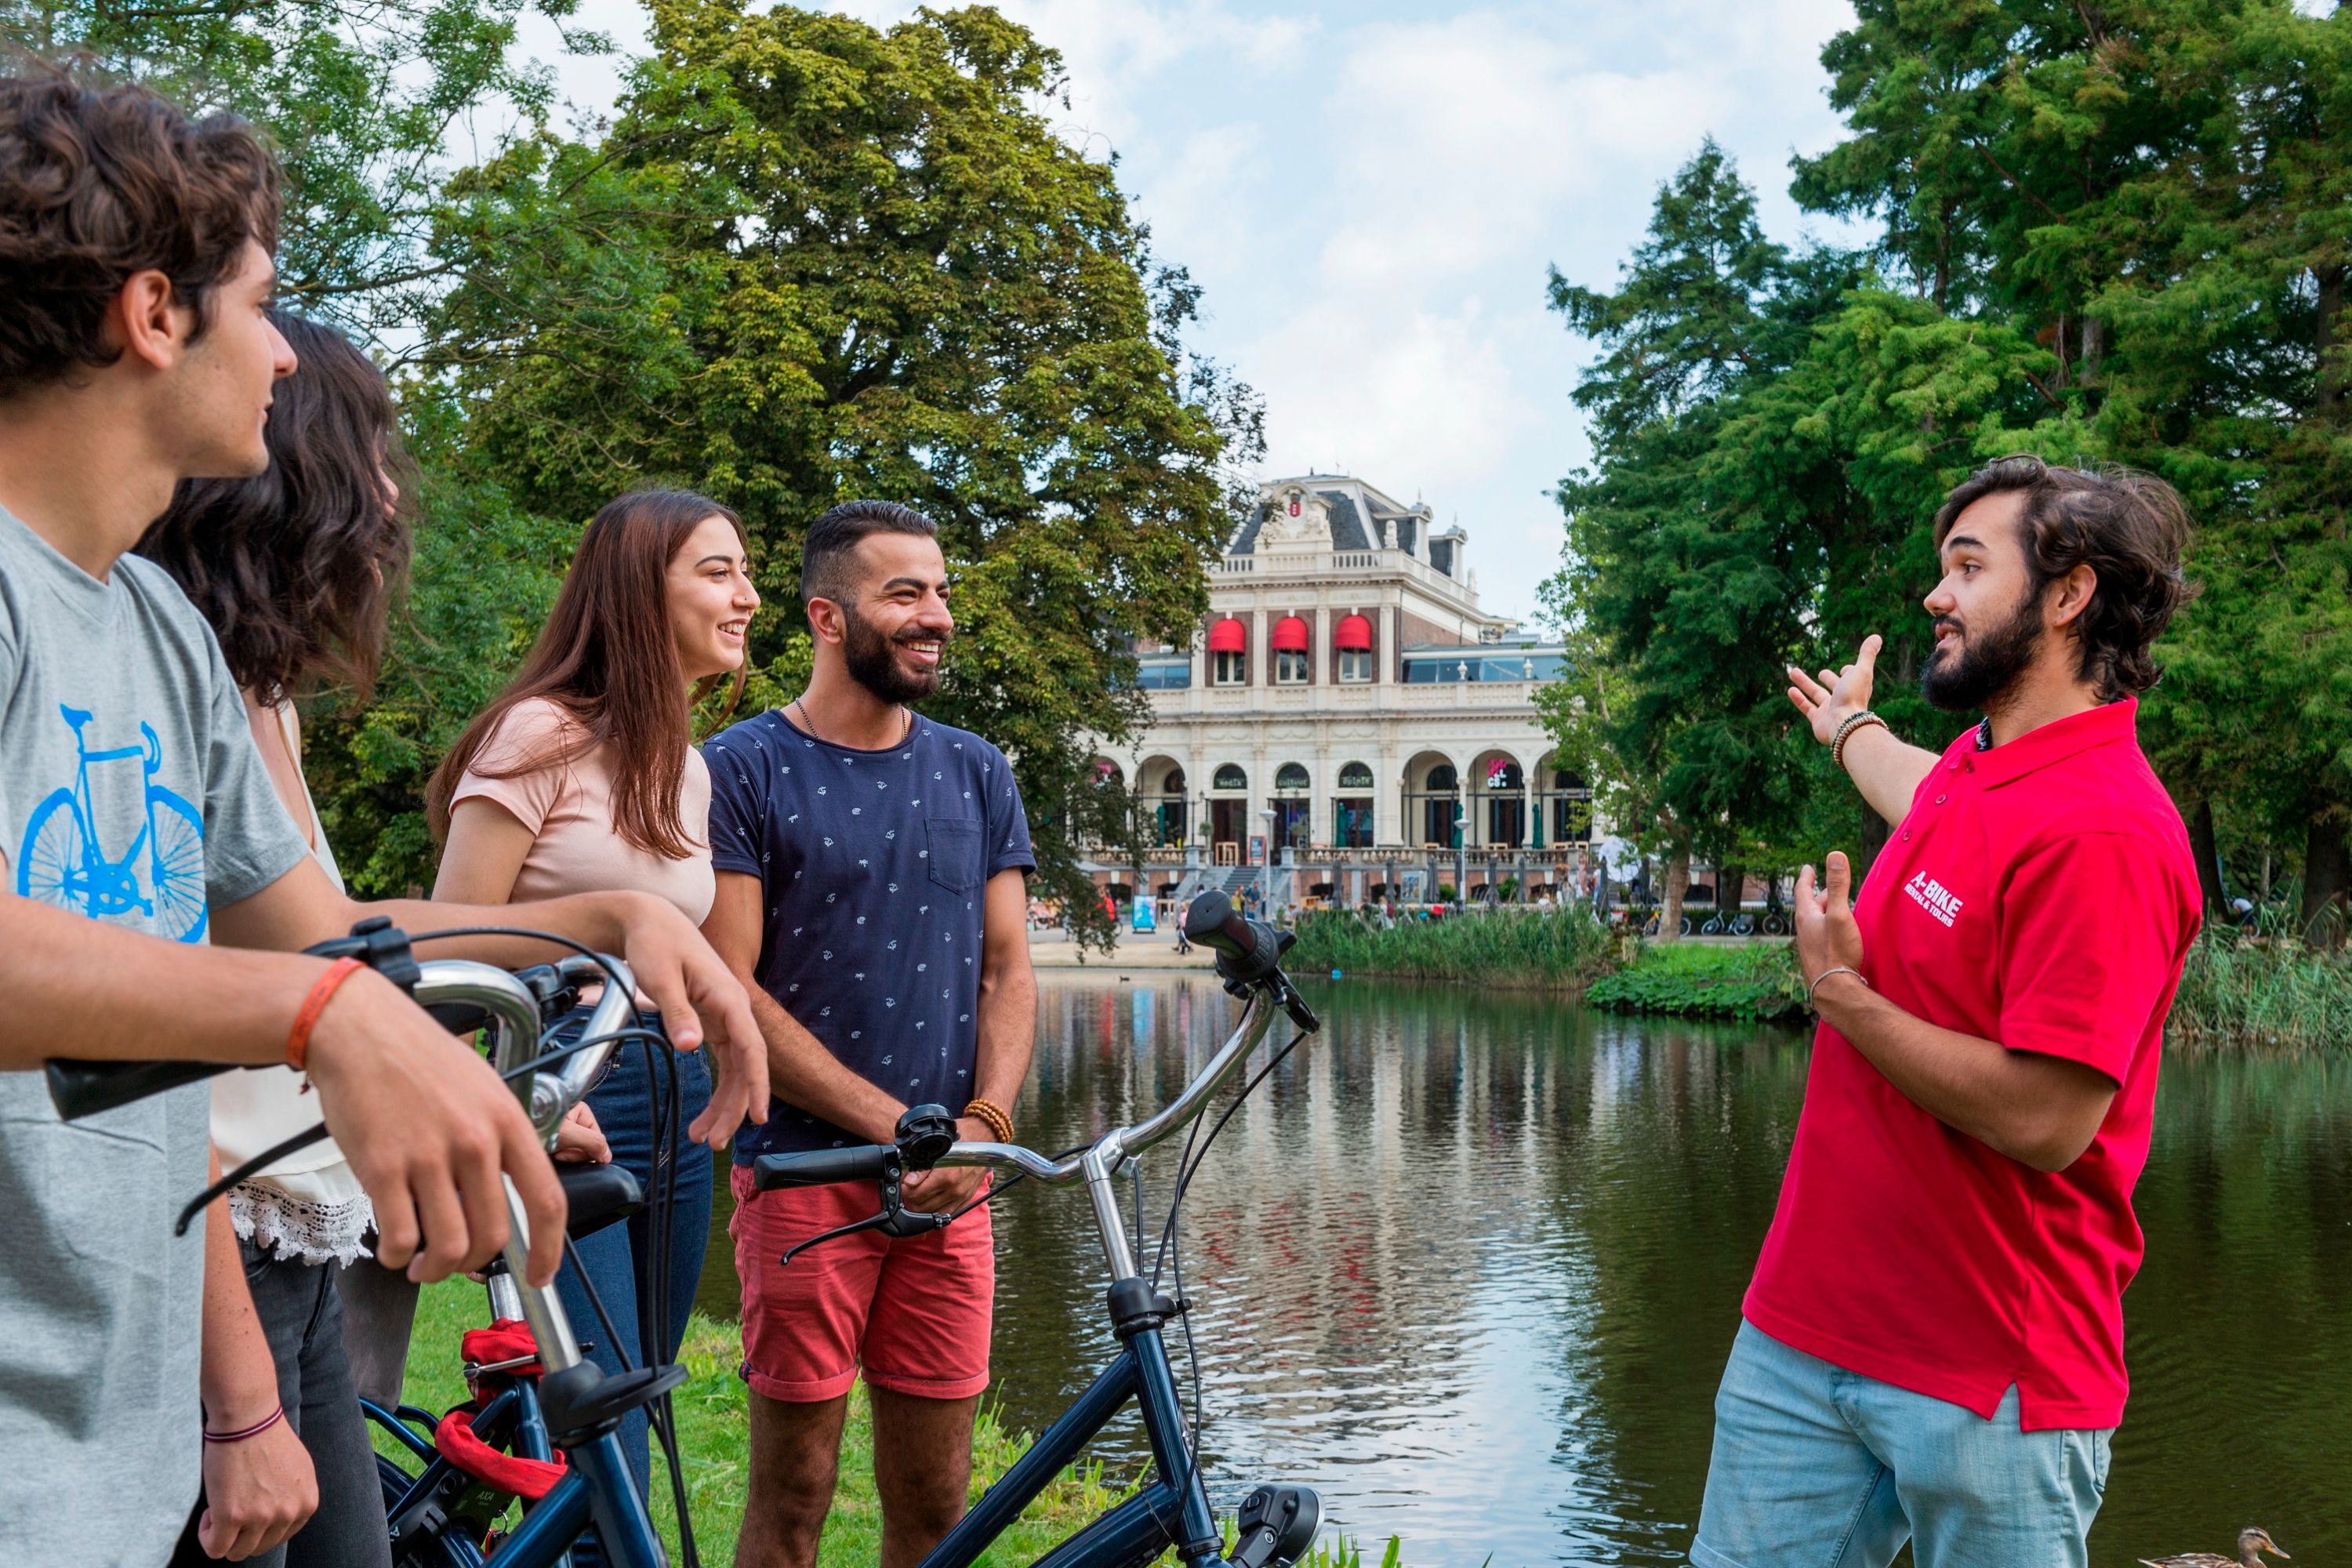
(1750, 981)
(1562, 947)
(713, 1447)
(2271, 994)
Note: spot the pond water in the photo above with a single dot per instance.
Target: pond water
(1469, 1264)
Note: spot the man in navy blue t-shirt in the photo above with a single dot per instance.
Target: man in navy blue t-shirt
(871, 888)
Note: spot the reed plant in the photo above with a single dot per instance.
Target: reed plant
(2269, 993)
(1563, 947)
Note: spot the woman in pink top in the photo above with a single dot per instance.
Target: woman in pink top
(581, 776)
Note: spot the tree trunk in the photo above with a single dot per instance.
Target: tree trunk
(2326, 883)
(2330, 280)
(1729, 880)
(2209, 860)
(1670, 909)
(1873, 840)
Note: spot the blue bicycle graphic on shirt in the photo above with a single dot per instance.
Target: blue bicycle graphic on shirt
(160, 876)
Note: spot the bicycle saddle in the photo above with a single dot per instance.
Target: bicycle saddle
(598, 1196)
(74, 716)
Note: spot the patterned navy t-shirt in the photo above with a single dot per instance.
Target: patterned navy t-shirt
(871, 865)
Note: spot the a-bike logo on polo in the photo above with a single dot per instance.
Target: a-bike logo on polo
(1933, 896)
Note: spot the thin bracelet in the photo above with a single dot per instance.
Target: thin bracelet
(998, 1122)
(256, 1430)
(1825, 975)
(298, 1039)
(1845, 732)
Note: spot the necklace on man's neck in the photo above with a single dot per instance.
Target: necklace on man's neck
(810, 725)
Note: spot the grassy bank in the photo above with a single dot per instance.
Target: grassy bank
(1565, 948)
(1748, 980)
(713, 1447)
(2274, 993)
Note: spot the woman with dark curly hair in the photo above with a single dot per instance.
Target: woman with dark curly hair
(296, 570)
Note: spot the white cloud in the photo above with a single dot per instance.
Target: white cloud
(1371, 197)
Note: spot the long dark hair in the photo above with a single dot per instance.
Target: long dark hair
(607, 658)
(297, 568)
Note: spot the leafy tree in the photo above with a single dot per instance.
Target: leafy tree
(813, 259)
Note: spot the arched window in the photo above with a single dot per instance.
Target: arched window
(1355, 775)
(1291, 639)
(1229, 653)
(1441, 779)
(1107, 771)
(1290, 776)
(1351, 639)
(1567, 778)
(1502, 773)
(1174, 783)
(1229, 776)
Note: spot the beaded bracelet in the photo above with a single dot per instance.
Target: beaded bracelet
(998, 1122)
(1854, 721)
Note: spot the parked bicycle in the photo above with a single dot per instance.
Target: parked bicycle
(543, 1426)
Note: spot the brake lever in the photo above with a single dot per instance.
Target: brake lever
(895, 1218)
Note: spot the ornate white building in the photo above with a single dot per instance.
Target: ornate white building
(1346, 705)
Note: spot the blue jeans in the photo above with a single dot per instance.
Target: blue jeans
(1815, 1467)
(619, 1259)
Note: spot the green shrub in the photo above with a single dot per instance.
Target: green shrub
(1565, 947)
(1752, 981)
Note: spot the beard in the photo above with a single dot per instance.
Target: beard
(1974, 673)
(872, 660)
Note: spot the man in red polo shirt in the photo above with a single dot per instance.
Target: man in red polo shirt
(1933, 1343)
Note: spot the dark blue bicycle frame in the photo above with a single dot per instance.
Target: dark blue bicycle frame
(1173, 1511)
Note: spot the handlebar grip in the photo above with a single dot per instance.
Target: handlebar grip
(821, 1167)
(81, 1088)
(1246, 949)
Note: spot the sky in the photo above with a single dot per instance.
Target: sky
(1371, 197)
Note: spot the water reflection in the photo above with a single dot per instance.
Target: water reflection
(1469, 1265)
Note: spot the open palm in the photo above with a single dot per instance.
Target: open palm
(1829, 698)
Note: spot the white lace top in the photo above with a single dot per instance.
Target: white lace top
(309, 1205)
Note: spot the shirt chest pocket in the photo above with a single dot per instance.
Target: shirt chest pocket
(952, 846)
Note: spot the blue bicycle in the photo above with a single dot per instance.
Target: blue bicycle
(544, 1425)
(160, 876)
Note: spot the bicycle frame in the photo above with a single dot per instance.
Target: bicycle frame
(598, 1486)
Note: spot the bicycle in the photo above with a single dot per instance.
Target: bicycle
(61, 862)
(544, 1425)
(567, 1422)
(1275, 1523)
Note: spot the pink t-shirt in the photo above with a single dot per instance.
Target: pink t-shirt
(568, 806)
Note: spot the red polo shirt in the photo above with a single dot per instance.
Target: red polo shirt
(2041, 894)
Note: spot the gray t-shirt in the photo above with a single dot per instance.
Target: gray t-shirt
(130, 792)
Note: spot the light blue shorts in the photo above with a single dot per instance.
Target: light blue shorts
(1815, 1467)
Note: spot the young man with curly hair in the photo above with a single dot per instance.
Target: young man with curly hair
(1933, 1343)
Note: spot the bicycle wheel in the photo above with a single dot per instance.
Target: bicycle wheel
(175, 866)
(49, 866)
(1713, 927)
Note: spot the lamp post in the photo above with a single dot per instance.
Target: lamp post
(1461, 853)
(1207, 850)
(1270, 814)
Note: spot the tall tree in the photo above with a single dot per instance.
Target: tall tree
(814, 259)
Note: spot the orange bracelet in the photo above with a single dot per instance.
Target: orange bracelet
(298, 1043)
(998, 1122)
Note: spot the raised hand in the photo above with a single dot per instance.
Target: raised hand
(1827, 935)
(1829, 698)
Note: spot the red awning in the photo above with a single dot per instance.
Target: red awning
(1353, 635)
(1227, 637)
(1290, 635)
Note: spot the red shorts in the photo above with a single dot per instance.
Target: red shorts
(911, 1313)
